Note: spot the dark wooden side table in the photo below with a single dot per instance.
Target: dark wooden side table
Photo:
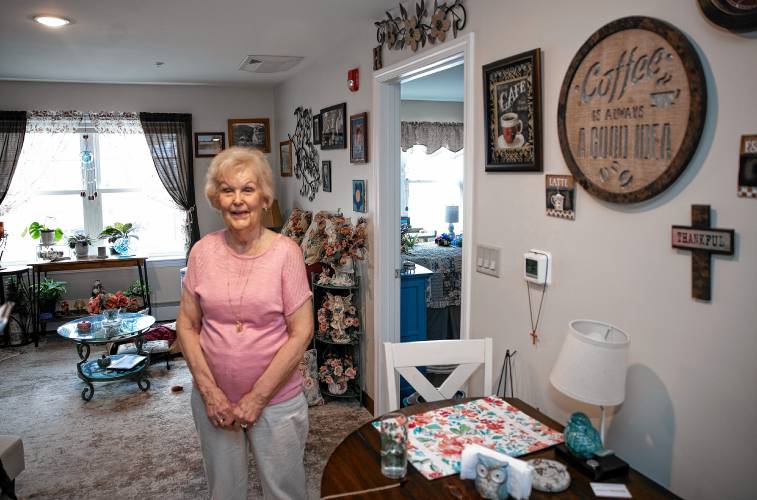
(355, 465)
(43, 268)
(22, 313)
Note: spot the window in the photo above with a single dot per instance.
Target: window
(433, 182)
(47, 188)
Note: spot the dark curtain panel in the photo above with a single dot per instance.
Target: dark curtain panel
(12, 132)
(169, 136)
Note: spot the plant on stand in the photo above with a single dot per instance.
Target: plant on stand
(80, 241)
(136, 294)
(47, 235)
(336, 372)
(49, 292)
(119, 235)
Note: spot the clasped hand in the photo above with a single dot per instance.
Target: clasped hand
(222, 413)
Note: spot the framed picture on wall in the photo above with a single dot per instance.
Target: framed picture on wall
(358, 196)
(326, 175)
(316, 129)
(334, 127)
(285, 158)
(208, 144)
(359, 138)
(512, 109)
(250, 132)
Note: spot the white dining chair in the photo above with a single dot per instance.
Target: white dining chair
(468, 355)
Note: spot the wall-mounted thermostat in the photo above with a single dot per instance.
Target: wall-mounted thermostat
(538, 267)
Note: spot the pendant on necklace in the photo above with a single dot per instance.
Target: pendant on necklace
(239, 326)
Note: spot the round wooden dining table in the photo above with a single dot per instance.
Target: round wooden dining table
(355, 466)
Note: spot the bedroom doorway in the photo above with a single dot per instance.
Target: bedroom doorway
(387, 86)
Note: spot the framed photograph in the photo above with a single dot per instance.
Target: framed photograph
(285, 158)
(326, 175)
(251, 132)
(359, 138)
(378, 60)
(334, 127)
(208, 144)
(316, 129)
(512, 108)
(358, 196)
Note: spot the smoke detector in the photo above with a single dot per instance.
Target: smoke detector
(269, 64)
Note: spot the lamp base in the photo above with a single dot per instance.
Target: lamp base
(597, 468)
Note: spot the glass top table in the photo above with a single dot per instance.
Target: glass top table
(128, 327)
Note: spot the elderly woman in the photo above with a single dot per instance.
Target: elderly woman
(244, 322)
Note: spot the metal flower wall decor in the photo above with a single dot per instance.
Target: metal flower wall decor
(306, 166)
(423, 27)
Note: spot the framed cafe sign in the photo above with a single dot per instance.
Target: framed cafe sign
(632, 109)
(512, 107)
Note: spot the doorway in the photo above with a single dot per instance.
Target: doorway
(386, 137)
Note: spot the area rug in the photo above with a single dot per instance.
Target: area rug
(8, 353)
(125, 443)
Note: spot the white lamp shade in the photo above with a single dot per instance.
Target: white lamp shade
(451, 214)
(592, 364)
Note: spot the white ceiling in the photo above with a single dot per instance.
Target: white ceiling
(200, 41)
(447, 85)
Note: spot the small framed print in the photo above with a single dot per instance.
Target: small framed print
(358, 196)
(316, 129)
(748, 167)
(285, 157)
(208, 144)
(561, 196)
(359, 138)
(378, 60)
(251, 133)
(334, 127)
(512, 108)
(326, 175)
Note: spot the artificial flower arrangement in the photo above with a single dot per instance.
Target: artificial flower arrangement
(443, 240)
(336, 372)
(343, 240)
(336, 316)
(105, 301)
(297, 224)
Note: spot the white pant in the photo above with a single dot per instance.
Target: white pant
(277, 440)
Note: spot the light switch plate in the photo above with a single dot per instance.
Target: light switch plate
(487, 260)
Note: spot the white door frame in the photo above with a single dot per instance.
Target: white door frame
(386, 179)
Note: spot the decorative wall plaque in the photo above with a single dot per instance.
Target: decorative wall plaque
(631, 109)
(748, 167)
(561, 196)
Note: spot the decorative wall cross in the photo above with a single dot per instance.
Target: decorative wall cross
(703, 241)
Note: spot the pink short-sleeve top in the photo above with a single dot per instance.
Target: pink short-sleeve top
(260, 291)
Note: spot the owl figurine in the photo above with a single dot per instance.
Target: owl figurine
(581, 438)
(491, 478)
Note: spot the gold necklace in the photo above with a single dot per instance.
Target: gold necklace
(237, 313)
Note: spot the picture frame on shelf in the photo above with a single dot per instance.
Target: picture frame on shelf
(209, 144)
(316, 130)
(326, 175)
(285, 158)
(334, 127)
(358, 196)
(512, 109)
(250, 132)
(359, 138)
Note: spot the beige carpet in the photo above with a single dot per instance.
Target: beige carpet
(125, 443)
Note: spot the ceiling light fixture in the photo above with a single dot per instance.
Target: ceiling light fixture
(52, 21)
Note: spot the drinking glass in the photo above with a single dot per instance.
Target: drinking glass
(393, 430)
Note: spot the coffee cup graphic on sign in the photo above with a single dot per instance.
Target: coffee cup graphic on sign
(512, 128)
(557, 201)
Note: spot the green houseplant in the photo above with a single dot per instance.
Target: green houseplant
(81, 242)
(119, 235)
(49, 291)
(46, 235)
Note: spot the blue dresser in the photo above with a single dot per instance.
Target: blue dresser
(412, 311)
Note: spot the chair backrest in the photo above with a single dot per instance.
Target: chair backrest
(467, 354)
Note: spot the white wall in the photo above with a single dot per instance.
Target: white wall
(210, 108)
(431, 111)
(689, 416)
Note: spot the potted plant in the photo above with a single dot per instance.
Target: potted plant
(136, 293)
(120, 235)
(336, 372)
(49, 292)
(80, 242)
(46, 235)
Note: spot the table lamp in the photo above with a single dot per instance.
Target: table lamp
(591, 367)
(451, 214)
(272, 216)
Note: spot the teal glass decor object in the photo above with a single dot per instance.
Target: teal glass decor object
(86, 156)
(581, 438)
(122, 246)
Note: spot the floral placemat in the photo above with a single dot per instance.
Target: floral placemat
(437, 437)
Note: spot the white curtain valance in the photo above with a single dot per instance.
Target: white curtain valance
(433, 135)
(103, 122)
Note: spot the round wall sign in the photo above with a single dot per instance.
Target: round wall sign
(632, 109)
(735, 15)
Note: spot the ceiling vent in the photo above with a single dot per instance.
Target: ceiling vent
(269, 64)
